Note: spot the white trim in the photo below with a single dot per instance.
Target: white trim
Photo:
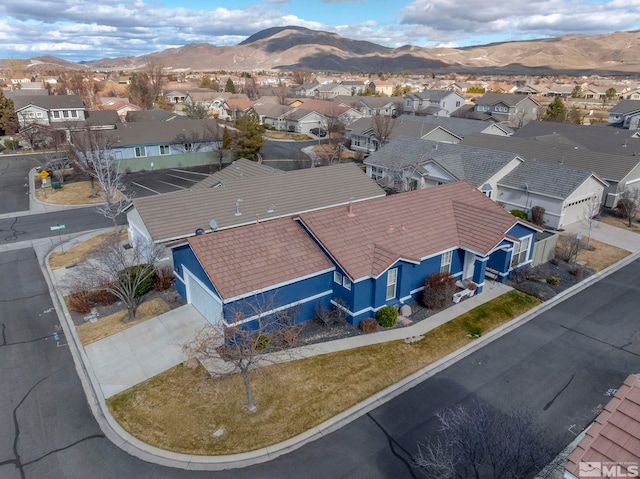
(276, 286)
(280, 308)
(417, 290)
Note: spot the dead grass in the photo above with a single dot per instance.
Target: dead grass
(167, 411)
(91, 332)
(76, 193)
(283, 135)
(603, 255)
(621, 223)
(81, 252)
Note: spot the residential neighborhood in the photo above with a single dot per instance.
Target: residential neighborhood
(343, 247)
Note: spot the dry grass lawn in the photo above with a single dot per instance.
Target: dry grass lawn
(180, 409)
(91, 332)
(76, 193)
(621, 223)
(603, 255)
(81, 252)
(283, 135)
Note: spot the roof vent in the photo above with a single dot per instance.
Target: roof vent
(213, 224)
(271, 208)
(350, 212)
(238, 201)
(199, 232)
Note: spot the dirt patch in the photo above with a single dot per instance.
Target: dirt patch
(80, 252)
(71, 193)
(601, 255)
(283, 135)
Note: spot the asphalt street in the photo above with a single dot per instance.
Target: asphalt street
(14, 187)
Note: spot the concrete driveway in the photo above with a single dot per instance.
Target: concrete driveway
(136, 354)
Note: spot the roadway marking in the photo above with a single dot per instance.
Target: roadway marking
(190, 172)
(183, 178)
(145, 187)
(171, 184)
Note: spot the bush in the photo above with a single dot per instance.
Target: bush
(578, 271)
(163, 278)
(261, 342)
(537, 215)
(474, 331)
(387, 316)
(520, 214)
(11, 144)
(521, 273)
(145, 283)
(102, 297)
(553, 280)
(368, 326)
(438, 290)
(626, 207)
(536, 289)
(80, 301)
(567, 247)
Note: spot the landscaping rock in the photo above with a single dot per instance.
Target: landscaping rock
(405, 310)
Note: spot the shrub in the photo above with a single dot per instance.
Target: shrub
(368, 326)
(626, 207)
(522, 273)
(387, 316)
(537, 215)
(146, 282)
(163, 278)
(474, 331)
(438, 290)
(261, 342)
(102, 297)
(520, 214)
(80, 301)
(11, 144)
(290, 335)
(578, 271)
(553, 280)
(567, 247)
(472, 286)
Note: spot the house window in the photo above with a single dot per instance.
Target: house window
(445, 262)
(188, 146)
(392, 281)
(165, 150)
(337, 277)
(39, 114)
(346, 282)
(457, 103)
(376, 172)
(140, 151)
(56, 114)
(32, 114)
(74, 114)
(520, 252)
(65, 113)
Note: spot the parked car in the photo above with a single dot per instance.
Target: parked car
(321, 132)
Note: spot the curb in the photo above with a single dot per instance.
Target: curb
(133, 446)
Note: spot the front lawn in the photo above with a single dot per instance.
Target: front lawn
(179, 410)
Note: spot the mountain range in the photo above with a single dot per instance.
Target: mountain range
(290, 47)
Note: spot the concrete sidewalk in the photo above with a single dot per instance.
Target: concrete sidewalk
(605, 233)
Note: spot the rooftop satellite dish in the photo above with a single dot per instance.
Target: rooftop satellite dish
(213, 224)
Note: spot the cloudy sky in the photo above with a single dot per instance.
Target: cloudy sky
(92, 29)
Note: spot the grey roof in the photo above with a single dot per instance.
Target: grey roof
(609, 167)
(475, 165)
(380, 101)
(237, 170)
(459, 126)
(299, 113)
(157, 132)
(549, 180)
(605, 139)
(434, 95)
(506, 98)
(414, 129)
(156, 114)
(626, 106)
(49, 102)
(272, 110)
(176, 215)
(102, 117)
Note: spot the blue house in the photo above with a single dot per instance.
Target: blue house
(358, 257)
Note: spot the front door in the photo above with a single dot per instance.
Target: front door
(469, 262)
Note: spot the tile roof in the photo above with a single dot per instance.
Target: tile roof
(608, 167)
(473, 164)
(549, 180)
(605, 139)
(178, 214)
(239, 169)
(258, 256)
(409, 225)
(614, 437)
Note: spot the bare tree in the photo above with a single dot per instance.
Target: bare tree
(127, 273)
(591, 214)
(155, 72)
(628, 204)
(243, 348)
(91, 153)
(56, 162)
(302, 76)
(480, 443)
(282, 94)
(383, 125)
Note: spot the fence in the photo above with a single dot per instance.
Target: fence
(544, 247)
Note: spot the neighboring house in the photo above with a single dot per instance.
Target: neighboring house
(301, 120)
(328, 91)
(462, 127)
(273, 115)
(306, 89)
(611, 444)
(239, 107)
(561, 90)
(174, 97)
(215, 102)
(596, 137)
(370, 133)
(355, 86)
(379, 106)
(121, 106)
(358, 257)
(332, 110)
(514, 110)
(565, 193)
(632, 95)
(157, 114)
(380, 87)
(625, 114)
(243, 193)
(619, 172)
(56, 111)
(145, 145)
(433, 102)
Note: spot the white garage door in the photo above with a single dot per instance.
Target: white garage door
(209, 306)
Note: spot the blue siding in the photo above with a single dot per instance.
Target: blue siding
(183, 257)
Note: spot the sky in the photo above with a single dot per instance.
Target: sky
(79, 30)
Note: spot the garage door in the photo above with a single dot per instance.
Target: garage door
(209, 306)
